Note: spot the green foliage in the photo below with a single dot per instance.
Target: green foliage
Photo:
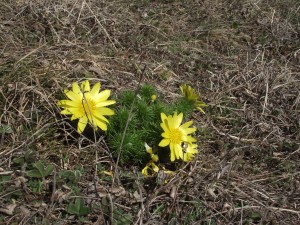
(4, 179)
(69, 176)
(40, 170)
(78, 208)
(29, 157)
(5, 129)
(122, 218)
(36, 185)
(144, 123)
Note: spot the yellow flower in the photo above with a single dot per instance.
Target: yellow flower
(87, 105)
(189, 93)
(174, 134)
(150, 169)
(153, 98)
(189, 151)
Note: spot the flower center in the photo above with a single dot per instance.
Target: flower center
(89, 105)
(176, 136)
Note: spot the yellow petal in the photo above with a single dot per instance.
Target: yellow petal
(177, 119)
(76, 88)
(172, 153)
(201, 110)
(105, 103)
(164, 127)
(163, 117)
(188, 131)
(177, 151)
(164, 142)
(73, 96)
(105, 111)
(102, 96)
(95, 90)
(74, 117)
(166, 135)
(65, 112)
(85, 86)
(67, 103)
(100, 117)
(190, 139)
(145, 171)
(154, 167)
(101, 124)
(154, 157)
(77, 112)
(82, 124)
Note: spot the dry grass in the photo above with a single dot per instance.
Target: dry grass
(243, 56)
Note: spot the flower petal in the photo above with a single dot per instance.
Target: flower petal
(102, 96)
(164, 142)
(82, 124)
(164, 127)
(65, 112)
(172, 152)
(85, 86)
(105, 103)
(101, 124)
(105, 111)
(190, 139)
(95, 90)
(77, 112)
(73, 96)
(163, 117)
(166, 135)
(75, 88)
(177, 119)
(67, 103)
(177, 151)
(100, 117)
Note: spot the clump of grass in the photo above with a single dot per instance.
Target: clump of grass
(144, 125)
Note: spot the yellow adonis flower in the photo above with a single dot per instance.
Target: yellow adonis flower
(88, 105)
(151, 168)
(175, 134)
(189, 93)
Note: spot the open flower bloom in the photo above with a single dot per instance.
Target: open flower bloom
(175, 134)
(189, 93)
(88, 105)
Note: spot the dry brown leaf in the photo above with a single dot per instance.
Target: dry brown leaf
(24, 211)
(20, 181)
(173, 192)
(9, 209)
(118, 191)
(138, 197)
(211, 192)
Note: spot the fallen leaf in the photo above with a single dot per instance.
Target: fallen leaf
(118, 191)
(138, 197)
(173, 192)
(9, 209)
(24, 211)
